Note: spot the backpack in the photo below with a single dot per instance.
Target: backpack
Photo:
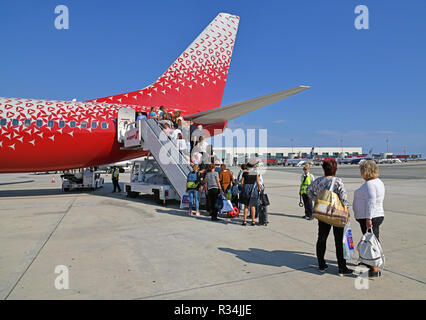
(370, 251)
(192, 180)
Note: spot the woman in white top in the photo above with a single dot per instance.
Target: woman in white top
(202, 145)
(175, 134)
(368, 202)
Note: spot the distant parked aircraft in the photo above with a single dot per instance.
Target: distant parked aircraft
(297, 162)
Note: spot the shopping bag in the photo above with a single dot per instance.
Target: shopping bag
(265, 199)
(219, 202)
(370, 251)
(227, 206)
(348, 243)
(329, 208)
(184, 201)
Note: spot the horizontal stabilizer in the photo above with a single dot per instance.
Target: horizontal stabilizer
(232, 111)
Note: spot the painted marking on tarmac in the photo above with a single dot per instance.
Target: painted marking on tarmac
(46, 197)
(41, 248)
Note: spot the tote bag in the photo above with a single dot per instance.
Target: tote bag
(329, 208)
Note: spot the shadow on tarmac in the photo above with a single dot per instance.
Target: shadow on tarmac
(277, 258)
(17, 182)
(31, 193)
(297, 260)
(286, 215)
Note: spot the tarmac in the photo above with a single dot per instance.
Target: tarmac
(115, 247)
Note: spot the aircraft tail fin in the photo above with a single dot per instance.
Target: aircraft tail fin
(311, 154)
(196, 80)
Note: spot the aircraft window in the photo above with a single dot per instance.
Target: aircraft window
(94, 125)
(50, 123)
(27, 122)
(72, 124)
(3, 122)
(39, 123)
(104, 125)
(61, 124)
(15, 122)
(84, 124)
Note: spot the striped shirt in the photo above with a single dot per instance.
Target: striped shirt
(324, 183)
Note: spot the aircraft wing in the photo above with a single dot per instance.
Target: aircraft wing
(232, 111)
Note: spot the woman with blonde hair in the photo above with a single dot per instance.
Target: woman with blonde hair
(368, 203)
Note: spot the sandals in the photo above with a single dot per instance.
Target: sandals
(245, 223)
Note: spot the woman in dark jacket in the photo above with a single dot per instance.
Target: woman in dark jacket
(250, 192)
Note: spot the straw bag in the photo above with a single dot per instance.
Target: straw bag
(329, 208)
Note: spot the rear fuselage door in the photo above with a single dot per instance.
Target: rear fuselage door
(125, 117)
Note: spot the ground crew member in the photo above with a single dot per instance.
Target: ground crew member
(306, 179)
(115, 177)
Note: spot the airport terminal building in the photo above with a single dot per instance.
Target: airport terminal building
(238, 155)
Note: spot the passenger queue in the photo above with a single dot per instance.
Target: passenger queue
(214, 182)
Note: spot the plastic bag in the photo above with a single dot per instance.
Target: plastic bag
(227, 206)
(348, 243)
(184, 201)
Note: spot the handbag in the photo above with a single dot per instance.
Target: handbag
(191, 185)
(219, 202)
(370, 251)
(329, 208)
(264, 198)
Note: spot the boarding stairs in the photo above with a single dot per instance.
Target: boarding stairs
(148, 135)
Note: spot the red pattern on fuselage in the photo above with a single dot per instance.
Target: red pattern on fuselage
(28, 148)
(193, 83)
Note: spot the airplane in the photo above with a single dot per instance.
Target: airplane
(355, 160)
(358, 160)
(301, 161)
(51, 135)
(391, 160)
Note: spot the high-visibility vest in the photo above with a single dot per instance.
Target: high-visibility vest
(304, 184)
(115, 174)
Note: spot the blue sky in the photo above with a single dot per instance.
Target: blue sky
(367, 85)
